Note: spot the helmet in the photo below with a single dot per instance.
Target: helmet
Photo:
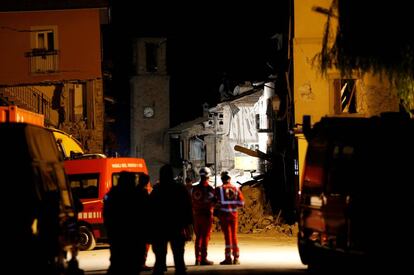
(205, 171)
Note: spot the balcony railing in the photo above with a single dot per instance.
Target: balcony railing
(28, 98)
(43, 61)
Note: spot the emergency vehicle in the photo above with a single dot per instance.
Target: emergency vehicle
(91, 176)
(357, 180)
(36, 196)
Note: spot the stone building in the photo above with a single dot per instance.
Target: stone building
(150, 103)
(210, 140)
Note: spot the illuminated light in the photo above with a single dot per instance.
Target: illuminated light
(34, 227)
(314, 237)
(315, 201)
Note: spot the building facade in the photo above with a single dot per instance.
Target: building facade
(320, 95)
(51, 64)
(238, 122)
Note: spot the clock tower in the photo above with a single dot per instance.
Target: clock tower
(150, 104)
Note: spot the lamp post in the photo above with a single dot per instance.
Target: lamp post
(275, 100)
(215, 149)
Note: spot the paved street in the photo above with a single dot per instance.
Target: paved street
(259, 254)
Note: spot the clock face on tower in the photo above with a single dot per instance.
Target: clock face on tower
(148, 112)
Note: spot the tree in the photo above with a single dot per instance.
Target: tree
(371, 37)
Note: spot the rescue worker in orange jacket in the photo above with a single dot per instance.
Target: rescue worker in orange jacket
(203, 200)
(229, 199)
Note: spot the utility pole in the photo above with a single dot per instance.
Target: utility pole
(215, 149)
(216, 118)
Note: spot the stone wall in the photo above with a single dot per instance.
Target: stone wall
(376, 95)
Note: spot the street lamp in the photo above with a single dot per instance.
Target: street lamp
(275, 103)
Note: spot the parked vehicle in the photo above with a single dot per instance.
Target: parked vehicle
(357, 179)
(91, 176)
(39, 226)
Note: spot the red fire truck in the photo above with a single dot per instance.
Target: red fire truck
(91, 176)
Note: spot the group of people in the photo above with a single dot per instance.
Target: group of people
(223, 202)
(136, 216)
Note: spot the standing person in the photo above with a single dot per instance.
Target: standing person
(124, 209)
(171, 218)
(229, 199)
(203, 200)
(189, 184)
(144, 190)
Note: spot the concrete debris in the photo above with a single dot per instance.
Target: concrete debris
(256, 216)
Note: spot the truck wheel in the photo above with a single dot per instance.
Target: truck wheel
(86, 239)
(303, 251)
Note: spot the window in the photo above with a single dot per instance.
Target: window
(77, 102)
(344, 96)
(257, 117)
(115, 178)
(45, 40)
(85, 186)
(151, 50)
(315, 166)
(43, 56)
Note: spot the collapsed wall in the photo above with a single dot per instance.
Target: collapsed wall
(256, 216)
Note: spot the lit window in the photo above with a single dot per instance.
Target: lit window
(345, 96)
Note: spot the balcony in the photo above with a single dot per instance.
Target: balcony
(43, 61)
(28, 98)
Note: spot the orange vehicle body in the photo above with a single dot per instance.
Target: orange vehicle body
(90, 180)
(15, 114)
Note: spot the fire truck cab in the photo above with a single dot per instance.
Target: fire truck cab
(91, 176)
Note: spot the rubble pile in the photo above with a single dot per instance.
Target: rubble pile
(256, 216)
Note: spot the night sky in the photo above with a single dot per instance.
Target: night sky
(204, 42)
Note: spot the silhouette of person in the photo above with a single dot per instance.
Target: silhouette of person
(229, 199)
(124, 208)
(189, 184)
(203, 200)
(171, 216)
(144, 189)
